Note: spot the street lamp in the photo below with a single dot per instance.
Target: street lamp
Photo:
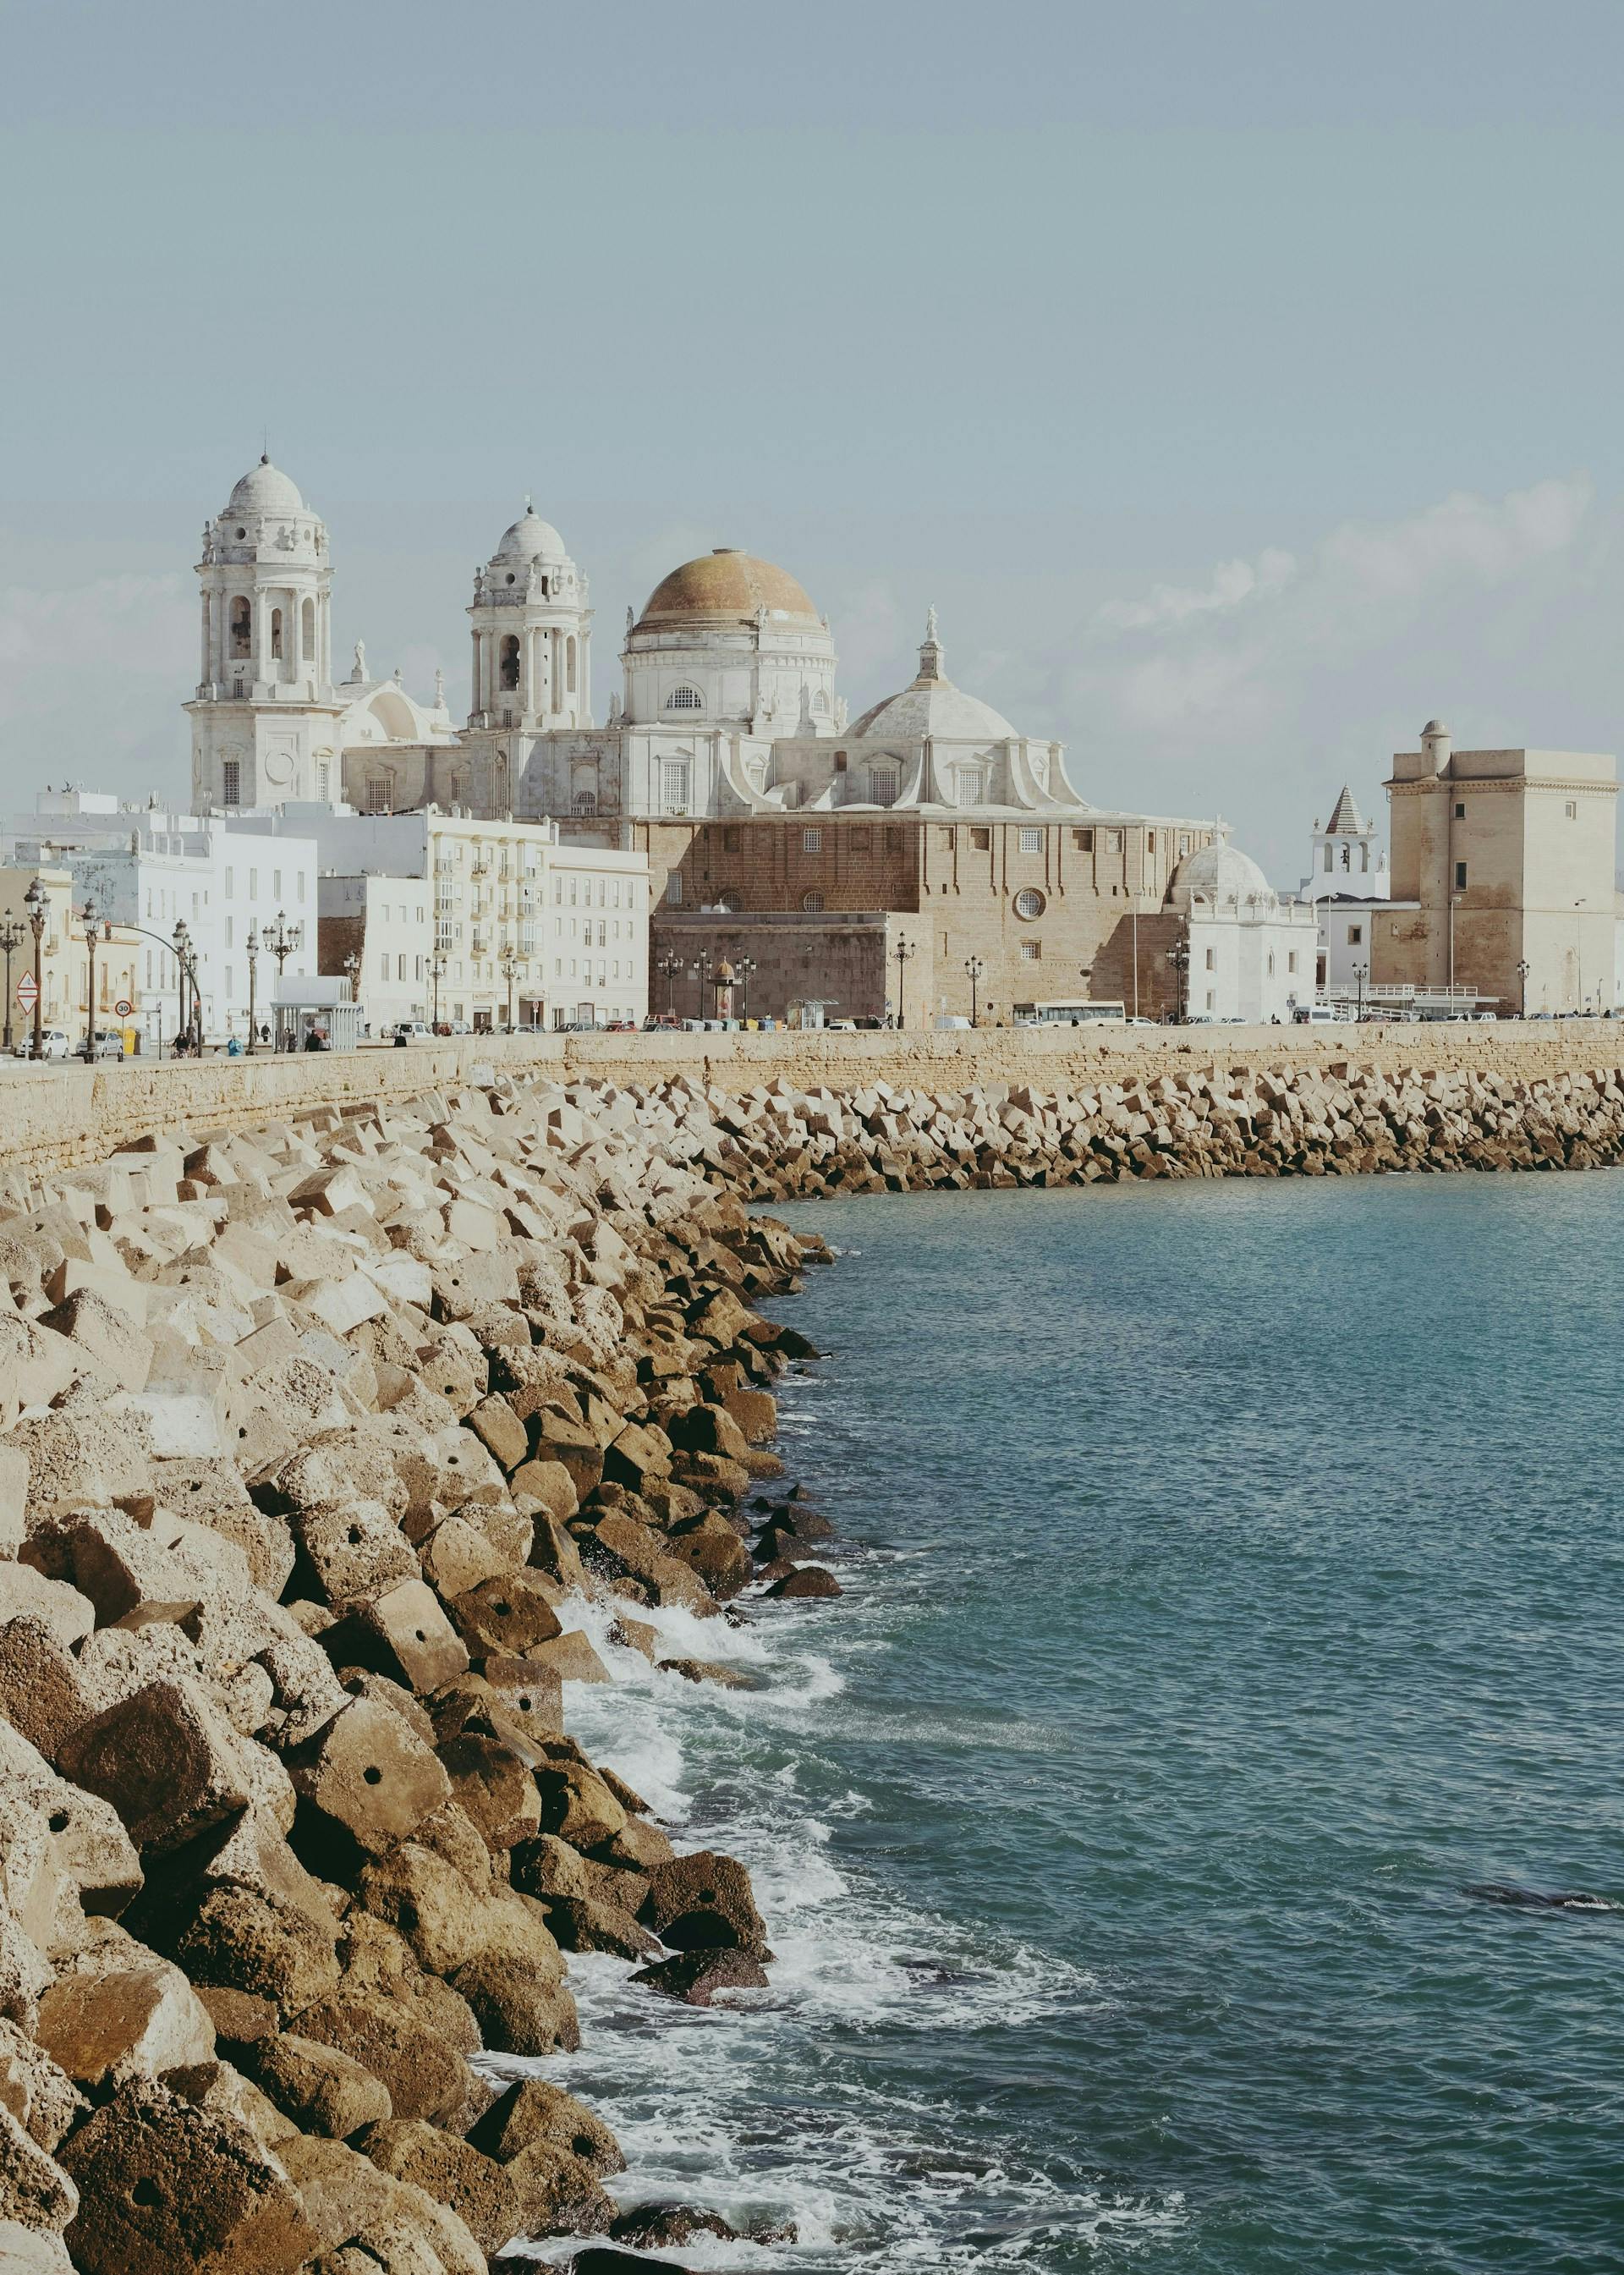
(1359, 972)
(742, 966)
(34, 901)
(1178, 956)
(669, 964)
(282, 943)
(252, 945)
(1524, 969)
(902, 952)
(510, 967)
(437, 972)
(90, 921)
(10, 940)
(976, 969)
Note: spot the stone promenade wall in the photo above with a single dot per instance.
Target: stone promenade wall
(66, 1116)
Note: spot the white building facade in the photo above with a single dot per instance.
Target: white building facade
(1251, 954)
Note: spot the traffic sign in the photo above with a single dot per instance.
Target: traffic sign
(27, 990)
(123, 1008)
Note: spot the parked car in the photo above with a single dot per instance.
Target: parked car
(415, 1030)
(108, 1043)
(53, 1044)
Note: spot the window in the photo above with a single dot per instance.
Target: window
(1082, 840)
(228, 932)
(684, 699)
(674, 889)
(1114, 841)
(1212, 959)
(813, 903)
(1183, 843)
(882, 785)
(811, 840)
(569, 664)
(242, 629)
(1460, 876)
(231, 782)
(1211, 999)
(276, 633)
(384, 968)
(1150, 841)
(1030, 903)
(1330, 858)
(840, 762)
(507, 662)
(301, 885)
(981, 841)
(1355, 936)
(276, 884)
(307, 631)
(678, 785)
(400, 967)
(1031, 950)
(1571, 810)
(377, 795)
(1271, 963)
(1291, 960)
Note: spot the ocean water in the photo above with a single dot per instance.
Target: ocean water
(1234, 1579)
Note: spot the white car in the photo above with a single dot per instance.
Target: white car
(415, 1030)
(53, 1044)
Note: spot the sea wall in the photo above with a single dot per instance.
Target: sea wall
(61, 1116)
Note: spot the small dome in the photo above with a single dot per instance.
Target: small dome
(1219, 874)
(530, 539)
(265, 489)
(726, 586)
(1434, 727)
(937, 708)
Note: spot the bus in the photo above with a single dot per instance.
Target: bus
(1072, 1014)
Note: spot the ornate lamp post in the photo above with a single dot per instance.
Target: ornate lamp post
(976, 969)
(252, 944)
(282, 943)
(91, 921)
(742, 966)
(670, 965)
(701, 968)
(190, 995)
(1524, 969)
(1359, 972)
(437, 972)
(34, 901)
(902, 952)
(510, 967)
(1178, 956)
(10, 940)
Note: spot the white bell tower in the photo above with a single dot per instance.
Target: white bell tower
(264, 716)
(1347, 858)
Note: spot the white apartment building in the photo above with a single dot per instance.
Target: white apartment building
(148, 870)
(516, 918)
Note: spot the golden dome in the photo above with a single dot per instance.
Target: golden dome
(724, 587)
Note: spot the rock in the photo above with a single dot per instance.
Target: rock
(500, 1431)
(703, 1902)
(492, 1784)
(696, 1977)
(506, 1616)
(26, 1594)
(132, 2021)
(242, 1939)
(390, 2224)
(608, 2259)
(518, 2013)
(354, 1553)
(37, 2090)
(652, 2227)
(551, 1483)
(707, 1670)
(535, 2109)
(164, 1759)
(806, 1582)
(480, 2191)
(423, 2075)
(404, 1633)
(319, 2088)
(165, 2186)
(570, 1657)
(582, 1923)
(34, 2192)
(576, 1804)
(33, 2251)
(371, 1774)
(424, 1896)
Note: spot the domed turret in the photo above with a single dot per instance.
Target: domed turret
(730, 638)
(1222, 876)
(532, 645)
(265, 489)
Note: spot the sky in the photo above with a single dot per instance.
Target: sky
(1239, 380)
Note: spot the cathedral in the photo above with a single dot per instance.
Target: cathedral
(879, 858)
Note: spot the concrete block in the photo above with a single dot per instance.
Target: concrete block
(164, 1759)
(27, 1594)
(370, 1773)
(509, 1614)
(132, 2021)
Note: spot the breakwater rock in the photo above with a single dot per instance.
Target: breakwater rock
(778, 1141)
(314, 1442)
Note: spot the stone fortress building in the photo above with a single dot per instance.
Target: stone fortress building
(888, 864)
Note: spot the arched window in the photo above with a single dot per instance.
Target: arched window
(307, 636)
(276, 633)
(813, 903)
(509, 654)
(820, 702)
(586, 801)
(684, 699)
(241, 628)
(569, 666)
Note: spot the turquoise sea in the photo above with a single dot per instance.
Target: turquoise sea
(1234, 1580)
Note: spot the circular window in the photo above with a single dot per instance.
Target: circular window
(242, 532)
(512, 580)
(1030, 903)
(813, 903)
